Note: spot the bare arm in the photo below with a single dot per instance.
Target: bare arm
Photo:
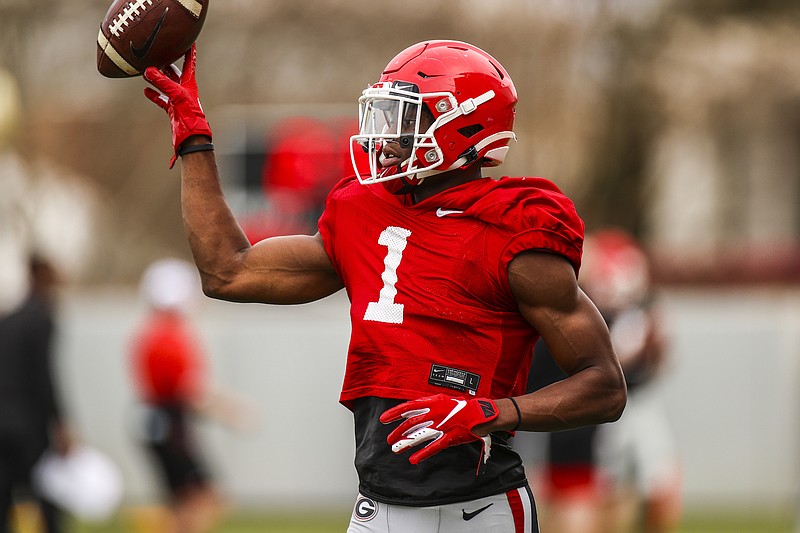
(280, 270)
(594, 391)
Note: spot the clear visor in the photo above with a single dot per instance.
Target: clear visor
(391, 113)
(389, 119)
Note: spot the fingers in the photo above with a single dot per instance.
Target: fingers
(190, 63)
(173, 73)
(407, 428)
(154, 76)
(402, 411)
(395, 413)
(414, 437)
(157, 98)
(431, 449)
(415, 428)
(161, 82)
(409, 409)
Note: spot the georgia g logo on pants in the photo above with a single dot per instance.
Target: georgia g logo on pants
(365, 509)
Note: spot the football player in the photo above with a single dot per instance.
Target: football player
(452, 276)
(167, 365)
(638, 453)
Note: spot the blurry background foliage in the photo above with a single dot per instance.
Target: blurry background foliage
(676, 119)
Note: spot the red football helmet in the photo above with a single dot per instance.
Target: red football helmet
(449, 101)
(615, 271)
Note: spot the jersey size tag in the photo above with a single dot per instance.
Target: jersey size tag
(453, 378)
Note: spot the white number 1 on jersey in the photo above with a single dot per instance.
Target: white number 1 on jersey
(385, 310)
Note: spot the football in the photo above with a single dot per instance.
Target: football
(136, 34)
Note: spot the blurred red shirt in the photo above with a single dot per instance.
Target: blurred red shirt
(167, 362)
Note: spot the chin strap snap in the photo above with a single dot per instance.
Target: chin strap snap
(470, 155)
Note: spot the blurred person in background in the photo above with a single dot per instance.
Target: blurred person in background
(624, 476)
(568, 481)
(31, 415)
(636, 454)
(452, 276)
(304, 157)
(170, 372)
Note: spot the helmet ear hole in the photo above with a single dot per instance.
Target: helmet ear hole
(469, 131)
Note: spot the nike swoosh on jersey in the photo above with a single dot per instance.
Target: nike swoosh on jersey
(469, 516)
(148, 44)
(444, 212)
(460, 404)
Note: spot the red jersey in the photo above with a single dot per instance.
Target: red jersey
(431, 305)
(166, 360)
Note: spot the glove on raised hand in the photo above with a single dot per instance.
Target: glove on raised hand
(179, 98)
(440, 419)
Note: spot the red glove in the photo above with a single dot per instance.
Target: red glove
(441, 419)
(179, 98)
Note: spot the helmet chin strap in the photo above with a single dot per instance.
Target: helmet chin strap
(468, 158)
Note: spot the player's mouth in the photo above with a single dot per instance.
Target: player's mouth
(387, 161)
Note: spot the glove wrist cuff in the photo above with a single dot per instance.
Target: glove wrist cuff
(183, 150)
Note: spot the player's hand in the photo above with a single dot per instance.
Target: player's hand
(441, 421)
(179, 97)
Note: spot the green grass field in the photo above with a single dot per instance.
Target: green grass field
(317, 523)
(742, 524)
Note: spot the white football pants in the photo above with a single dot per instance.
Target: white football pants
(510, 512)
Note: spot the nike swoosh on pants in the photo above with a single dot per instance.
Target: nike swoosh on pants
(469, 516)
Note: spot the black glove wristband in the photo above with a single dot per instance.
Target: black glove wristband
(183, 150)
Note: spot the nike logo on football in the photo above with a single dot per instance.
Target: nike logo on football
(473, 514)
(444, 212)
(148, 44)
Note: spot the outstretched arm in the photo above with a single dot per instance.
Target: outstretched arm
(282, 270)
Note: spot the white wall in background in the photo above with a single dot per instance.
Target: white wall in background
(731, 393)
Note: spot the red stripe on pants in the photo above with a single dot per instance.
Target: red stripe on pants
(517, 511)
